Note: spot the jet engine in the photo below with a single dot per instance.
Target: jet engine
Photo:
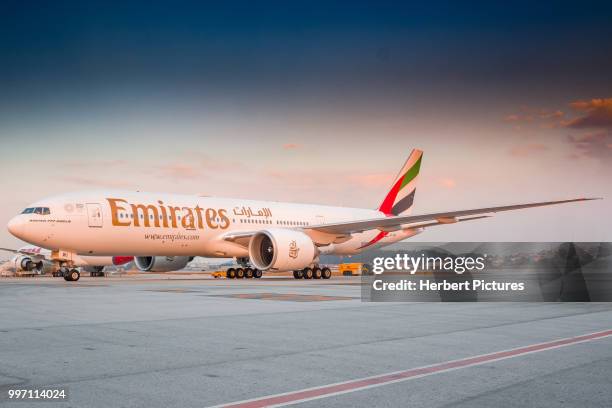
(25, 263)
(161, 263)
(281, 250)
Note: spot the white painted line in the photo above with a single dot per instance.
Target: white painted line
(325, 391)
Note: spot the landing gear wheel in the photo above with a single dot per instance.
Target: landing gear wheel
(307, 273)
(298, 274)
(326, 273)
(257, 273)
(248, 273)
(231, 273)
(316, 273)
(72, 276)
(239, 273)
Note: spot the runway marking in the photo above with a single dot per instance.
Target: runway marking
(178, 290)
(329, 390)
(289, 297)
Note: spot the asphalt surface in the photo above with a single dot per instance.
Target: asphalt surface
(184, 342)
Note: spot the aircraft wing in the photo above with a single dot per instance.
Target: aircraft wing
(336, 232)
(398, 222)
(241, 238)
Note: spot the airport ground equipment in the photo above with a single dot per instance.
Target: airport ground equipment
(354, 269)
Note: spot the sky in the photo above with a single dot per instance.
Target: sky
(317, 102)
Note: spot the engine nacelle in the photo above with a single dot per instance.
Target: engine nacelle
(161, 263)
(25, 263)
(281, 250)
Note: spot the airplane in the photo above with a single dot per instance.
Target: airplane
(165, 231)
(40, 261)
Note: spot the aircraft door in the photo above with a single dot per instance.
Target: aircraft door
(94, 215)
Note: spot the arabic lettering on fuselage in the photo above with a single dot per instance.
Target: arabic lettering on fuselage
(248, 212)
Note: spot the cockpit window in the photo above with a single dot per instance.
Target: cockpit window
(37, 210)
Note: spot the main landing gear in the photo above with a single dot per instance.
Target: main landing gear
(313, 273)
(244, 270)
(240, 273)
(70, 275)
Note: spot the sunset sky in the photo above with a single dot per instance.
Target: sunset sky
(316, 102)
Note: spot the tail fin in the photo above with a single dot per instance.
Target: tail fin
(401, 196)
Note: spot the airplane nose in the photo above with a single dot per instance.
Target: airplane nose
(16, 226)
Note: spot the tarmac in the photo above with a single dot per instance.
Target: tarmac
(193, 341)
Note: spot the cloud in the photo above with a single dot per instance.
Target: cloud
(447, 182)
(512, 118)
(192, 165)
(596, 145)
(596, 114)
(552, 115)
(341, 180)
(546, 118)
(528, 149)
(371, 180)
(291, 146)
(595, 103)
(179, 171)
(95, 163)
(94, 182)
(593, 116)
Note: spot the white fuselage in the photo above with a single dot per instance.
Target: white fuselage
(110, 223)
